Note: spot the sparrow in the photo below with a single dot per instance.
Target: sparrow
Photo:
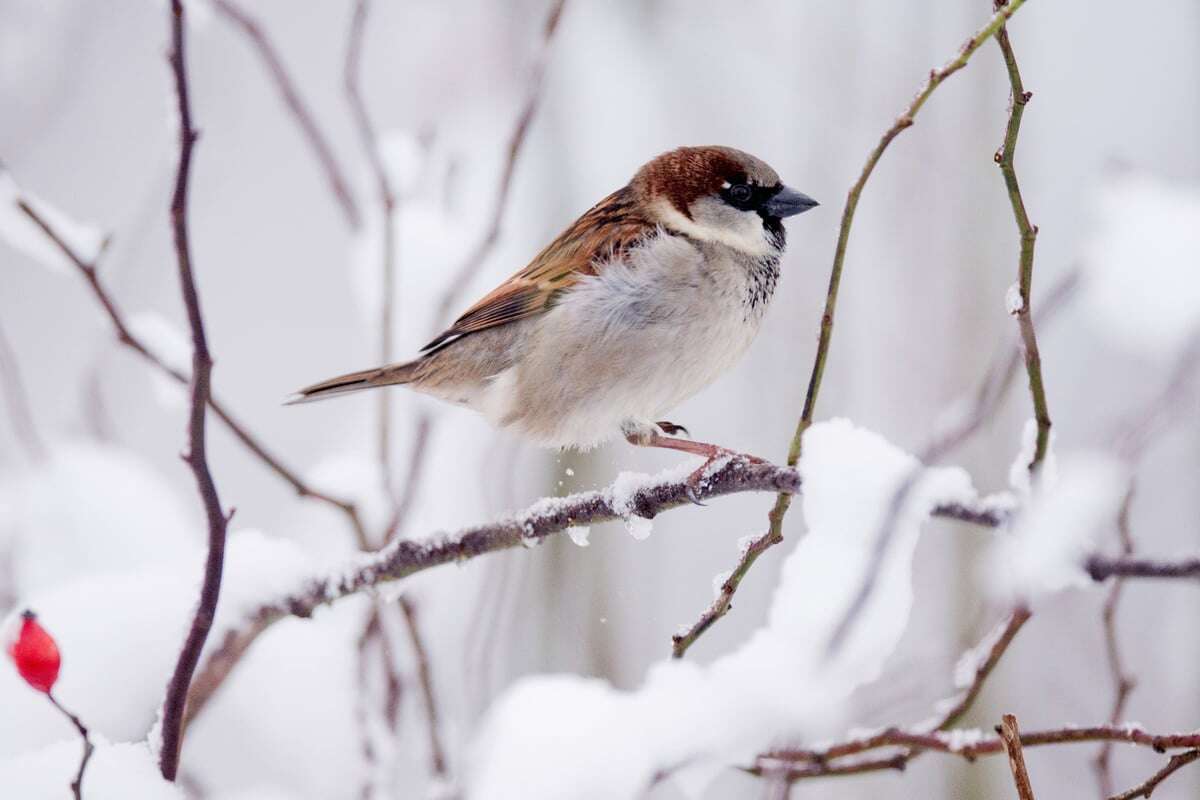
(638, 305)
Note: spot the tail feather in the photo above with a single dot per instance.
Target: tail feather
(355, 382)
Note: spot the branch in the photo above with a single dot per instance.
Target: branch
(1102, 567)
(300, 111)
(774, 533)
(1145, 788)
(88, 747)
(967, 744)
(196, 457)
(1123, 681)
(1010, 737)
(126, 337)
(425, 681)
(546, 517)
(465, 274)
(1028, 232)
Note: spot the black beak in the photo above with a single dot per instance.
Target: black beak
(788, 202)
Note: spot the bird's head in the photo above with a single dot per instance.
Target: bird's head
(719, 194)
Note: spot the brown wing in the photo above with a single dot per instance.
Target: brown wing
(605, 231)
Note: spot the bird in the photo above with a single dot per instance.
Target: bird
(638, 305)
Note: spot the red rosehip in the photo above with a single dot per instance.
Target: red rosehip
(35, 654)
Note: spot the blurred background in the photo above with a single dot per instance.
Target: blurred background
(291, 293)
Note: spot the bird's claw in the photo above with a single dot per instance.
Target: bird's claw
(671, 429)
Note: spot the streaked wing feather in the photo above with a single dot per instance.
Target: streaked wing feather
(605, 231)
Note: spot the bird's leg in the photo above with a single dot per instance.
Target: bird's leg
(646, 436)
(670, 428)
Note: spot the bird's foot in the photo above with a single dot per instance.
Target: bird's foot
(671, 429)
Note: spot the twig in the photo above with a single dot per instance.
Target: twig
(15, 397)
(196, 457)
(1010, 736)
(1028, 233)
(126, 337)
(373, 633)
(996, 645)
(299, 109)
(1102, 567)
(387, 202)
(463, 276)
(1123, 681)
(774, 533)
(966, 744)
(77, 783)
(1145, 788)
(425, 681)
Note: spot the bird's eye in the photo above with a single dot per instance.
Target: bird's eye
(740, 193)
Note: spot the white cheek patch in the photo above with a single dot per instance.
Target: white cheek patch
(746, 234)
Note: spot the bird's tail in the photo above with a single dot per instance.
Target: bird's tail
(355, 381)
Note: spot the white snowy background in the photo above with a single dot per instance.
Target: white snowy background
(548, 663)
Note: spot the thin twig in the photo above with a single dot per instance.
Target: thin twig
(196, 456)
(387, 202)
(1010, 737)
(17, 401)
(774, 533)
(967, 744)
(425, 681)
(1102, 567)
(1145, 788)
(1028, 232)
(126, 337)
(88, 748)
(465, 274)
(1123, 680)
(300, 111)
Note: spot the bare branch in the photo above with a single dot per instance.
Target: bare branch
(196, 456)
(126, 337)
(1123, 680)
(299, 110)
(1010, 737)
(463, 276)
(1028, 232)
(775, 517)
(88, 747)
(425, 681)
(1146, 787)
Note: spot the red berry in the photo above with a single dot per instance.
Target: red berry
(35, 654)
